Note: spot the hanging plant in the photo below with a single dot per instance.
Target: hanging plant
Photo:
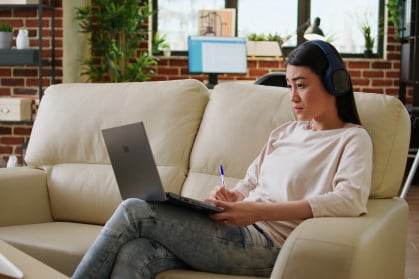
(394, 14)
(116, 31)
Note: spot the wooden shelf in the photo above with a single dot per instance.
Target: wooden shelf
(19, 57)
(16, 122)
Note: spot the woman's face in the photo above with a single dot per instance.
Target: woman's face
(310, 99)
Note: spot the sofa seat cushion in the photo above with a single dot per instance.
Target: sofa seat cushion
(60, 245)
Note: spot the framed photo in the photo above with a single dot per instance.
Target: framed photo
(219, 23)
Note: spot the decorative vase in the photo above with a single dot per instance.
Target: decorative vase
(22, 39)
(6, 40)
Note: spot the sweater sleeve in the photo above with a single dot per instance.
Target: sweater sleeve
(250, 181)
(352, 180)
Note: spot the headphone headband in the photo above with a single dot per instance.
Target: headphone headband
(336, 78)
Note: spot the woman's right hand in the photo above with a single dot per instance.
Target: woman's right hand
(223, 194)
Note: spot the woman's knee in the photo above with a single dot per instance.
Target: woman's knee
(133, 204)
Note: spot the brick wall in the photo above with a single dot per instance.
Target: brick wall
(22, 81)
(379, 75)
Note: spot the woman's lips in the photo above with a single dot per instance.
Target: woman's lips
(298, 109)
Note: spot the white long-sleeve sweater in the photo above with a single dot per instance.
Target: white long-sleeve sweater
(331, 169)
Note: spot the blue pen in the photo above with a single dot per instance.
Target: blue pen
(222, 175)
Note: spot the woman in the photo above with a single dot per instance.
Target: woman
(319, 165)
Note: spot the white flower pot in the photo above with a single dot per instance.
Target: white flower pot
(6, 40)
(167, 52)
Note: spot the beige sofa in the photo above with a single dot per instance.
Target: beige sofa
(54, 208)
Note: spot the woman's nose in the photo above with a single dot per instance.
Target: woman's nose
(293, 95)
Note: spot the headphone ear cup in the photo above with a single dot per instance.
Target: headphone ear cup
(336, 77)
(341, 82)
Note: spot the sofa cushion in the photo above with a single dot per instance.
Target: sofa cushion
(237, 122)
(66, 139)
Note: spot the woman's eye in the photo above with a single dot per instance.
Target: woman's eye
(300, 85)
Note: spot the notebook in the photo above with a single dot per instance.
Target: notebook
(135, 169)
(7, 268)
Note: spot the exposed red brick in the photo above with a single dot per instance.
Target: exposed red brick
(25, 13)
(354, 73)
(5, 130)
(12, 81)
(22, 131)
(25, 91)
(370, 74)
(269, 64)
(178, 62)
(5, 150)
(25, 72)
(382, 82)
(167, 71)
(359, 82)
(358, 64)
(251, 63)
(5, 13)
(258, 72)
(393, 74)
(11, 140)
(381, 65)
(5, 72)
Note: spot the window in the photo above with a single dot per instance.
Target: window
(340, 21)
(179, 18)
(280, 17)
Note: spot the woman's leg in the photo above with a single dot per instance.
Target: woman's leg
(193, 237)
(144, 258)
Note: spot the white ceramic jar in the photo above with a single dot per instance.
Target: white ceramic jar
(22, 39)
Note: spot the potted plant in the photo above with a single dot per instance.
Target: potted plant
(165, 47)
(264, 45)
(116, 30)
(368, 39)
(6, 35)
(160, 44)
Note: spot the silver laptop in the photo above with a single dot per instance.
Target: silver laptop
(135, 169)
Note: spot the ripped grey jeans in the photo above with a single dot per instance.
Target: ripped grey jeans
(142, 239)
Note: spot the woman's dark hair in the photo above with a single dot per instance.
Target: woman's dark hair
(311, 56)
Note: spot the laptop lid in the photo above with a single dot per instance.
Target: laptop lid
(133, 162)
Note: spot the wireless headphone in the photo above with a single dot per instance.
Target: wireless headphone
(336, 77)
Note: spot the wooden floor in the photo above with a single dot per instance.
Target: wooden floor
(412, 260)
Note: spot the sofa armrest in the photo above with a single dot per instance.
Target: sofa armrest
(370, 246)
(23, 196)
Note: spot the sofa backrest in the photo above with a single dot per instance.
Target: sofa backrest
(239, 118)
(66, 139)
(237, 122)
(387, 122)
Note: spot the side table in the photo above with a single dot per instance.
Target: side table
(31, 267)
